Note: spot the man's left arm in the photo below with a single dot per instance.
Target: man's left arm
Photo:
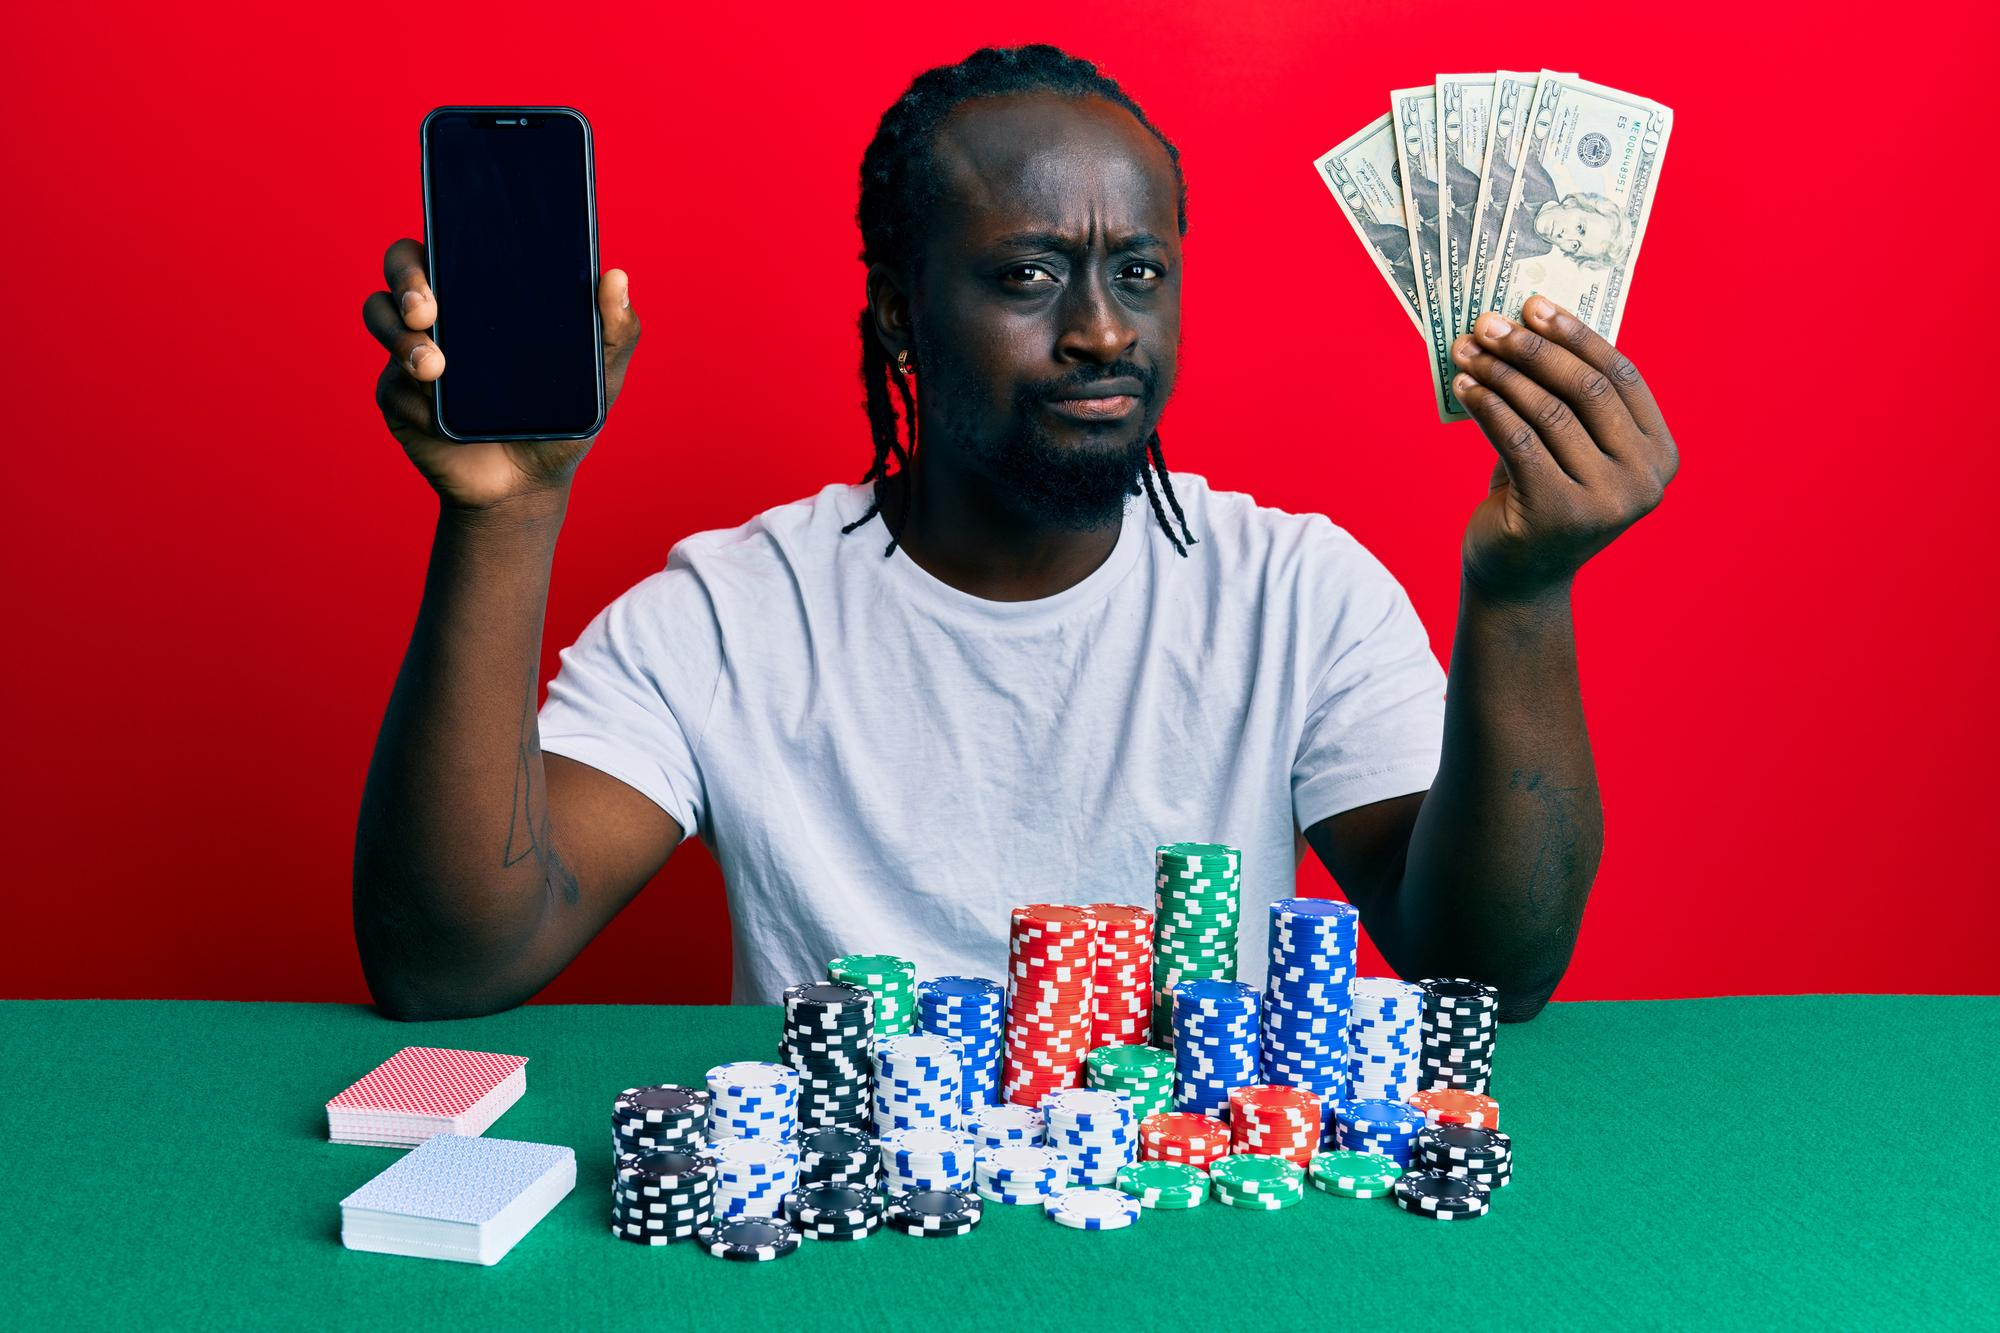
(1486, 874)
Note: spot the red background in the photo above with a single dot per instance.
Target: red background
(215, 550)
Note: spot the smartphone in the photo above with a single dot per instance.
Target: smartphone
(510, 236)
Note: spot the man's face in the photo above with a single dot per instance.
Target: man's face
(1051, 270)
(1576, 231)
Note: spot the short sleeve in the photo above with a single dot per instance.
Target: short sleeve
(1374, 721)
(632, 694)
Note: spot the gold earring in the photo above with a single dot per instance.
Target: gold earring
(903, 362)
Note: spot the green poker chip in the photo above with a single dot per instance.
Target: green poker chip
(893, 982)
(1254, 1202)
(1357, 1175)
(1169, 1185)
(1256, 1173)
(1197, 911)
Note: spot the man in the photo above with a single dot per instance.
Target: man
(1038, 654)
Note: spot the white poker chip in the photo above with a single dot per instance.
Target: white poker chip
(1007, 1123)
(1093, 1209)
(1022, 1164)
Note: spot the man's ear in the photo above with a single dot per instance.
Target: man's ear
(888, 301)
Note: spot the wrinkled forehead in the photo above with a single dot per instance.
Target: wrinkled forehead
(1081, 166)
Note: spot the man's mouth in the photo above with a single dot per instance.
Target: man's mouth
(1112, 407)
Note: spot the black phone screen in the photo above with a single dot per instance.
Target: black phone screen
(510, 225)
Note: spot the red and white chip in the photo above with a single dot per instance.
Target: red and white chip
(1122, 982)
(1456, 1106)
(1275, 1121)
(1182, 1136)
(1052, 959)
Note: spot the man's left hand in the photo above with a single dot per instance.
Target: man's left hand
(1584, 451)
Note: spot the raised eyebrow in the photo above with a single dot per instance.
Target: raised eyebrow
(1069, 245)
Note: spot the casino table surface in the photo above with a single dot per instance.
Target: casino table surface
(1741, 1163)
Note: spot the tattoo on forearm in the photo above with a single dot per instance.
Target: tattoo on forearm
(528, 826)
(1556, 858)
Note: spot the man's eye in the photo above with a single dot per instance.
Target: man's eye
(1140, 264)
(1019, 269)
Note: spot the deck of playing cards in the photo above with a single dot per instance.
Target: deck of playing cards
(421, 1091)
(468, 1199)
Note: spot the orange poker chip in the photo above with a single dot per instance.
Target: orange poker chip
(1456, 1106)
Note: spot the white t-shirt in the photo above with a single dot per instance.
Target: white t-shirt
(882, 763)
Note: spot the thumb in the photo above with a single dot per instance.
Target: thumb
(614, 304)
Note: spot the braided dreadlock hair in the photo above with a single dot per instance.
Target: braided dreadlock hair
(899, 187)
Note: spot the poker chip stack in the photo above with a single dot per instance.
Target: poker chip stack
(662, 1195)
(927, 1158)
(891, 980)
(1385, 1035)
(917, 1084)
(1215, 1044)
(1021, 1175)
(1256, 1182)
(664, 1115)
(1051, 956)
(752, 1176)
(1482, 1156)
(1180, 1136)
(752, 1099)
(1143, 1073)
(839, 1157)
(1460, 1020)
(970, 1013)
(1388, 1129)
(1197, 905)
(1274, 1121)
(1007, 1126)
(1122, 982)
(1307, 998)
(934, 1213)
(1456, 1106)
(828, 1035)
(833, 1212)
(1093, 1131)
(1169, 1185)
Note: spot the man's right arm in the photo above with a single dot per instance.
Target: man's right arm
(480, 866)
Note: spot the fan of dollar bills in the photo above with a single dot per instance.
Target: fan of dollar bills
(1480, 190)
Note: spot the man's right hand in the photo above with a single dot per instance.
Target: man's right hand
(484, 475)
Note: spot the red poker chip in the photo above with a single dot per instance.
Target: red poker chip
(1457, 1106)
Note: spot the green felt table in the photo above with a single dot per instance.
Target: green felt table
(1743, 1163)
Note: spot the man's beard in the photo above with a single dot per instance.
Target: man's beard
(1048, 482)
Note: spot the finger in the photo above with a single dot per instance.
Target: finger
(405, 272)
(404, 402)
(1590, 347)
(1529, 465)
(620, 320)
(1582, 389)
(414, 352)
(1560, 431)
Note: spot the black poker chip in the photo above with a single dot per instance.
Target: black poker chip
(1440, 1195)
(1481, 1149)
(934, 1212)
(662, 1103)
(839, 1204)
(835, 1143)
(747, 1239)
(837, 1231)
(665, 1166)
